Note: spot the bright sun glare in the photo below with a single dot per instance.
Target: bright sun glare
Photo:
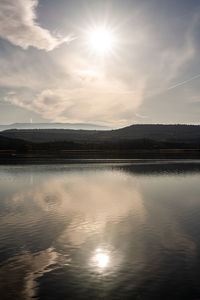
(101, 258)
(101, 40)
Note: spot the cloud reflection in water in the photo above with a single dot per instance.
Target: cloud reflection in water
(91, 224)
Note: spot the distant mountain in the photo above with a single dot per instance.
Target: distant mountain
(53, 125)
(165, 133)
(148, 136)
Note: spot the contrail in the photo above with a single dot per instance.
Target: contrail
(183, 82)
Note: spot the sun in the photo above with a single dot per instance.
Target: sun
(101, 40)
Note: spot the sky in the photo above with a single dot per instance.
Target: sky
(55, 67)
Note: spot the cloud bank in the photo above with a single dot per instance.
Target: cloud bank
(18, 25)
(104, 103)
(148, 77)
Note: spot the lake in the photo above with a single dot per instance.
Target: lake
(108, 230)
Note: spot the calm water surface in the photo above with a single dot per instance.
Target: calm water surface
(100, 231)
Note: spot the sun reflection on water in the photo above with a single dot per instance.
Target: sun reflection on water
(101, 258)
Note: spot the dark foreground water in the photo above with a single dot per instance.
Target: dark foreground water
(128, 230)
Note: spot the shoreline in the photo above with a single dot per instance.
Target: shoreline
(68, 156)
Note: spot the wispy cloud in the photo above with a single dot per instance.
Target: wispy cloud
(103, 103)
(76, 86)
(18, 25)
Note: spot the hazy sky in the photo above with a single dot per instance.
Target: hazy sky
(50, 70)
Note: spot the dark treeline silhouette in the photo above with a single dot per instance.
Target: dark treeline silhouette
(135, 137)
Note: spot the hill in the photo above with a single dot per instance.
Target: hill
(146, 131)
(128, 138)
(53, 125)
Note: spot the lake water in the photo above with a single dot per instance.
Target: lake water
(126, 230)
